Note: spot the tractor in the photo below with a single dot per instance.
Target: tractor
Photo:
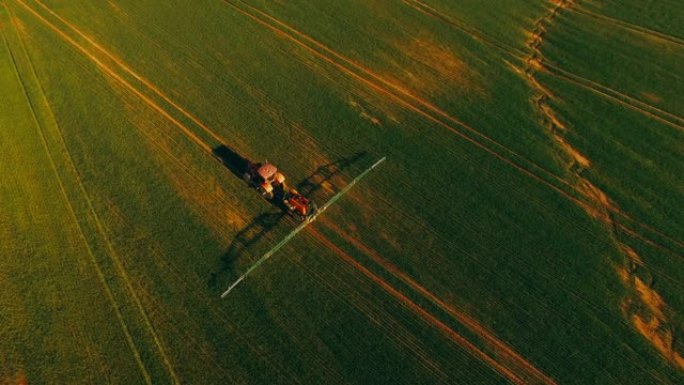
(270, 183)
(265, 178)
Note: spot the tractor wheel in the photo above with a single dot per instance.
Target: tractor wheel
(267, 194)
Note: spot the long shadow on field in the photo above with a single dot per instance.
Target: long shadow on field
(251, 234)
(231, 160)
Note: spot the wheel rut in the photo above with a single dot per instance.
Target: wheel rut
(643, 306)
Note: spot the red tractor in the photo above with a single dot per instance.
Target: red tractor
(270, 183)
(265, 178)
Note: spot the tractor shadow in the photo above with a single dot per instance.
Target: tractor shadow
(231, 160)
(263, 224)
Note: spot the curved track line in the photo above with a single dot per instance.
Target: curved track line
(349, 72)
(419, 111)
(394, 88)
(406, 104)
(606, 208)
(629, 101)
(422, 313)
(93, 259)
(370, 311)
(554, 70)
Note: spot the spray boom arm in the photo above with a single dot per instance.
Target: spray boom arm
(301, 226)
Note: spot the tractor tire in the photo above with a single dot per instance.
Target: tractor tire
(267, 194)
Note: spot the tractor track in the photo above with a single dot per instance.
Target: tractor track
(473, 325)
(535, 63)
(118, 78)
(93, 260)
(389, 324)
(606, 207)
(181, 277)
(190, 134)
(109, 72)
(343, 68)
(542, 64)
(288, 32)
(369, 253)
(114, 255)
(137, 93)
(630, 102)
(135, 75)
(427, 317)
(630, 26)
(554, 70)
(430, 11)
(221, 316)
(369, 310)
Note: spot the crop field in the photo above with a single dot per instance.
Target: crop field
(527, 226)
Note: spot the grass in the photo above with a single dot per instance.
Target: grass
(495, 236)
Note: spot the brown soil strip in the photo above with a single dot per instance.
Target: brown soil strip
(607, 92)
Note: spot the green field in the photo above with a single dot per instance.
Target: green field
(526, 228)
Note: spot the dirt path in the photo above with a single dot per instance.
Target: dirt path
(622, 98)
(653, 324)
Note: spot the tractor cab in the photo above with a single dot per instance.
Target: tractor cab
(270, 183)
(265, 178)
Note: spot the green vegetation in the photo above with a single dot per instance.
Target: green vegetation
(482, 252)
